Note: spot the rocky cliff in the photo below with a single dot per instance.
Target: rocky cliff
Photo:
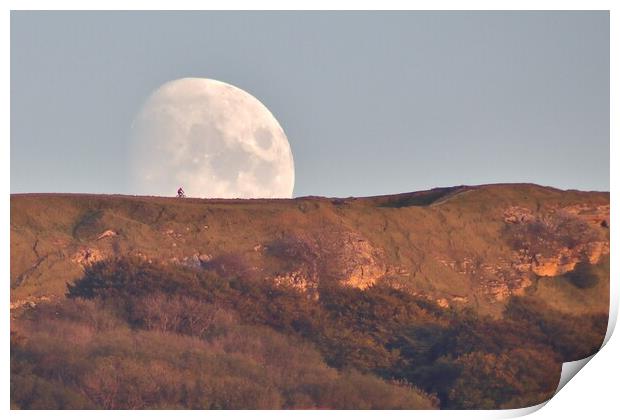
(460, 246)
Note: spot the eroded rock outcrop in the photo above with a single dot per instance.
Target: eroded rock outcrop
(546, 244)
(106, 234)
(516, 214)
(30, 302)
(595, 215)
(552, 243)
(345, 257)
(361, 263)
(299, 280)
(87, 256)
(566, 259)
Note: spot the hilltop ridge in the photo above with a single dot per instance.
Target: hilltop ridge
(463, 246)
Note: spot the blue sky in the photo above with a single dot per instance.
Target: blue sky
(371, 102)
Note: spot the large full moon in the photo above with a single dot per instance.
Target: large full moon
(211, 138)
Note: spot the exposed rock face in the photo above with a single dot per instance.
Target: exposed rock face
(361, 264)
(107, 234)
(299, 280)
(566, 259)
(87, 256)
(553, 243)
(476, 246)
(30, 303)
(516, 214)
(498, 281)
(595, 215)
(442, 303)
(548, 244)
(345, 257)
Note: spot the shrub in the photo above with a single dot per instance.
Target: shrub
(179, 314)
(242, 367)
(165, 336)
(512, 379)
(584, 275)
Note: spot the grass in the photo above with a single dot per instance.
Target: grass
(412, 235)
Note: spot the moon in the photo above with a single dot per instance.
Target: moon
(213, 139)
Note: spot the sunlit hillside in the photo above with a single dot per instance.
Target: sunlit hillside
(461, 297)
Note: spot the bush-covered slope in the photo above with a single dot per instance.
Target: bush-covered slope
(133, 334)
(465, 297)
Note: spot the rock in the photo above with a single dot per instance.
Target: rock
(519, 288)
(108, 233)
(596, 250)
(552, 266)
(193, 261)
(87, 256)
(499, 291)
(442, 302)
(566, 259)
(345, 257)
(516, 214)
(459, 299)
(298, 280)
(31, 302)
(595, 215)
(361, 264)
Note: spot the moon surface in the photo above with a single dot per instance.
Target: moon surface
(211, 138)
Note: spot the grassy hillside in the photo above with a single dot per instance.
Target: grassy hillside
(461, 297)
(452, 244)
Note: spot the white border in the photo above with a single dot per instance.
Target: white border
(312, 5)
(592, 394)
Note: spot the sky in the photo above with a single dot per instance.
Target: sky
(371, 102)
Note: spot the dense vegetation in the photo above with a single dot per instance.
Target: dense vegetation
(136, 335)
